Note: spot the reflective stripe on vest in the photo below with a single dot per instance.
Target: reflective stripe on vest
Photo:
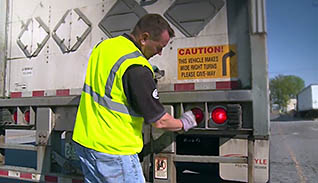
(108, 103)
(106, 100)
(111, 77)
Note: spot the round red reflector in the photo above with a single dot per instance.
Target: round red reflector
(15, 116)
(219, 115)
(198, 113)
(27, 116)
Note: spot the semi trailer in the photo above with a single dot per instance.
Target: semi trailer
(215, 66)
(307, 102)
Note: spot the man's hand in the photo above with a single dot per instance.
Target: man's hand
(188, 120)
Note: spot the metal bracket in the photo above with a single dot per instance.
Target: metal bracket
(181, 14)
(22, 46)
(42, 137)
(45, 124)
(39, 47)
(235, 115)
(61, 42)
(57, 39)
(85, 33)
(258, 17)
(147, 2)
(127, 12)
(64, 163)
(47, 30)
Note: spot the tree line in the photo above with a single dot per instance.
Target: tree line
(283, 88)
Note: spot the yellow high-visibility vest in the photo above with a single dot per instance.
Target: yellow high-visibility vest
(105, 121)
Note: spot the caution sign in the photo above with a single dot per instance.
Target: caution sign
(161, 169)
(207, 62)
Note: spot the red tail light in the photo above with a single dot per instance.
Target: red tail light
(198, 113)
(15, 116)
(219, 115)
(27, 116)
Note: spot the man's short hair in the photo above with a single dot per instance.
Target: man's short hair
(154, 24)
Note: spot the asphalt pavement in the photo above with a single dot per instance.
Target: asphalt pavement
(293, 152)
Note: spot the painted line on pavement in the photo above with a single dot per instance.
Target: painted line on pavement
(293, 157)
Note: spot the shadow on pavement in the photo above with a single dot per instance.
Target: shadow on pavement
(275, 117)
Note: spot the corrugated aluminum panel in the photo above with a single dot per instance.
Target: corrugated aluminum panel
(217, 58)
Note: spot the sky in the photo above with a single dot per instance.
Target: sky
(292, 39)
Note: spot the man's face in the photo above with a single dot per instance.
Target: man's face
(152, 48)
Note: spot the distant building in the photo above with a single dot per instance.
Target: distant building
(291, 105)
(275, 108)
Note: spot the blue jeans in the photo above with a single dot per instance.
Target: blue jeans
(100, 167)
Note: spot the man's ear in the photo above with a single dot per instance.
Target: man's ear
(144, 37)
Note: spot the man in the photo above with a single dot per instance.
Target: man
(120, 94)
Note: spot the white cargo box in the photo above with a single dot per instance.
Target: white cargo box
(307, 99)
(50, 42)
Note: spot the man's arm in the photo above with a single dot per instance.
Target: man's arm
(167, 122)
(141, 92)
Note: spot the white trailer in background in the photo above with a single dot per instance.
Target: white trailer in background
(307, 101)
(216, 66)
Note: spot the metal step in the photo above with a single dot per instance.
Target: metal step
(10, 125)
(19, 147)
(40, 101)
(18, 168)
(221, 132)
(209, 159)
(20, 173)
